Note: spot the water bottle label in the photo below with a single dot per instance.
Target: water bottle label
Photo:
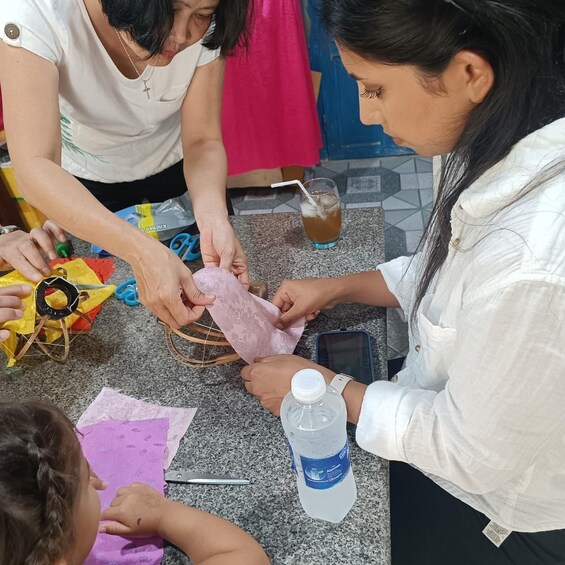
(325, 473)
(292, 463)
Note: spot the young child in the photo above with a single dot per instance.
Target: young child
(50, 511)
(478, 407)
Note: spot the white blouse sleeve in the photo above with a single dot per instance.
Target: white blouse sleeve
(36, 27)
(400, 276)
(503, 401)
(208, 55)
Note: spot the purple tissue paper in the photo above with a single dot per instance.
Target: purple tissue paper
(122, 452)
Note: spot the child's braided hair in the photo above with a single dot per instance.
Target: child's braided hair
(40, 463)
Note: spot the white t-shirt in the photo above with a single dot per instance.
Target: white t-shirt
(111, 131)
(480, 405)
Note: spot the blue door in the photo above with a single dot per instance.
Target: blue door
(345, 137)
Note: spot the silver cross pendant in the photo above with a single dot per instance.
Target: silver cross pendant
(146, 89)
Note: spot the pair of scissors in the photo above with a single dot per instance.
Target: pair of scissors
(186, 246)
(127, 291)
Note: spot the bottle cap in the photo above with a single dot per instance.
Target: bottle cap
(308, 386)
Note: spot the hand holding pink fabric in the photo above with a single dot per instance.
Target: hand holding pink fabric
(248, 322)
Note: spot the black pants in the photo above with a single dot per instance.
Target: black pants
(156, 188)
(431, 527)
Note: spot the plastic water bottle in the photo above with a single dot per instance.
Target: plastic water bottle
(314, 416)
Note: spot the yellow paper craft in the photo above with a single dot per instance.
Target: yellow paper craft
(77, 272)
(26, 323)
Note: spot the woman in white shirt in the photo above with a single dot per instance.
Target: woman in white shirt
(108, 103)
(478, 408)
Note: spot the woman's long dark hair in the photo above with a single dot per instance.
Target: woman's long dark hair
(149, 22)
(523, 41)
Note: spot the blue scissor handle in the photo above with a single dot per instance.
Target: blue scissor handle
(186, 246)
(127, 291)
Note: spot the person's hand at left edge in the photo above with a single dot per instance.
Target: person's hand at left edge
(29, 252)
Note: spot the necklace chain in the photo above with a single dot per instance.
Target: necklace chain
(146, 88)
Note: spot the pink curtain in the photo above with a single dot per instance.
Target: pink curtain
(269, 112)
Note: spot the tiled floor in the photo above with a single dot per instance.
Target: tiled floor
(402, 186)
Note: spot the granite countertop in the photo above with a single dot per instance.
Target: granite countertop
(231, 433)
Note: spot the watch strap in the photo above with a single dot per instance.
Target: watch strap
(8, 229)
(340, 381)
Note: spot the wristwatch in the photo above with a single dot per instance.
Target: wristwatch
(8, 229)
(340, 381)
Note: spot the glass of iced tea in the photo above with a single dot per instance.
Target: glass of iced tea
(322, 221)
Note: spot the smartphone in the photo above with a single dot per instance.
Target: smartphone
(347, 351)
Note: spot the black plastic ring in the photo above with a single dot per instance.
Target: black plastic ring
(57, 283)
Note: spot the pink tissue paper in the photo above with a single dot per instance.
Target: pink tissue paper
(247, 321)
(111, 404)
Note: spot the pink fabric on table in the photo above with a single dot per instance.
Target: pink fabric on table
(121, 453)
(247, 321)
(111, 404)
(269, 115)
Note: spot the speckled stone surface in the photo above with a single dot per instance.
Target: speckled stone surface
(231, 433)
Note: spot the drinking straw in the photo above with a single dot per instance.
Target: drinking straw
(302, 188)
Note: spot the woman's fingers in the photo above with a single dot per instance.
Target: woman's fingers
(226, 259)
(292, 315)
(221, 248)
(242, 275)
(23, 255)
(296, 299)
(194, 300)
(183, 307)
(44, 242)
(55, 230)
(312, 316)
(166, 287)
(281, 298)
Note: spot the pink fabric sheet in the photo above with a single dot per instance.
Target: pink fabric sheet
(111, 404)
(121, 453)
(248, 322)
(269, 112)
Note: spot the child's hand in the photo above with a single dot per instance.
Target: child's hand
(11, 305)
(139, 510)
(136, 511)
(96, 481)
